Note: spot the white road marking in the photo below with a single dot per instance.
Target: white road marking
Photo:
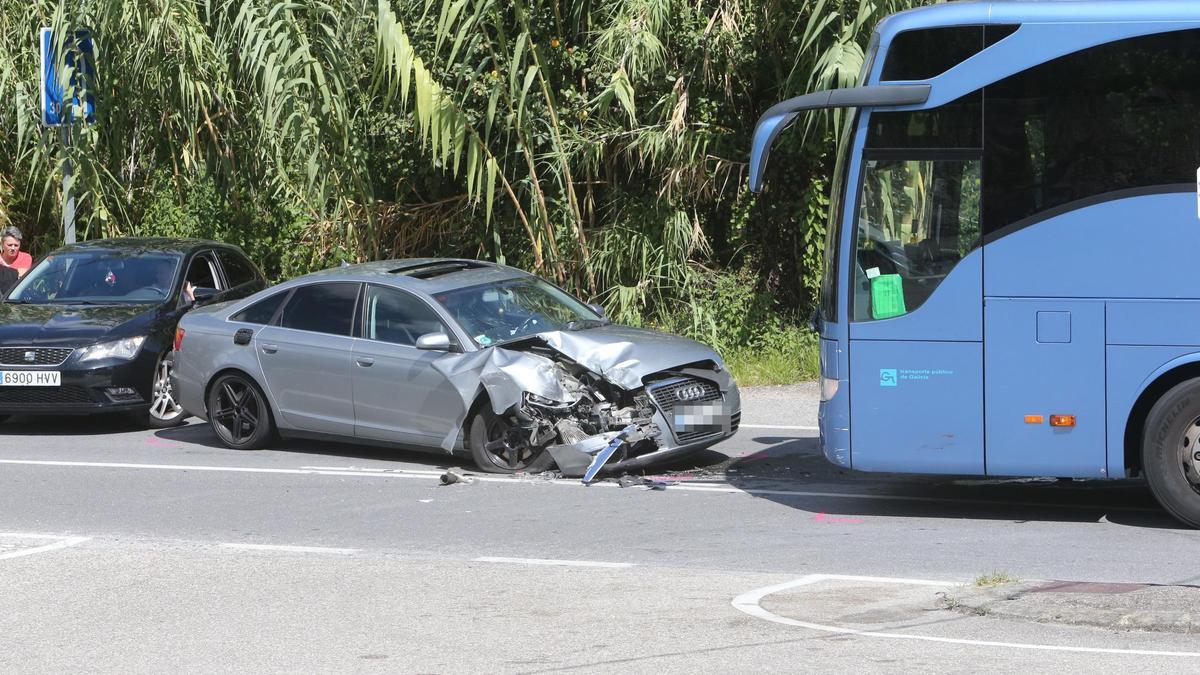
(59, 542)
(749, 603)
(777, 426)
(292, 549)
(715, 487)
(541, 561)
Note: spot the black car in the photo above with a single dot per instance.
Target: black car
(90, 328)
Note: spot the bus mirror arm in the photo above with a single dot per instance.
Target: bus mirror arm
(780, 115)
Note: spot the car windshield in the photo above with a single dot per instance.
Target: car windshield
(99, 277)
(495, 313)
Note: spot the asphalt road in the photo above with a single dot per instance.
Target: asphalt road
(136, 551)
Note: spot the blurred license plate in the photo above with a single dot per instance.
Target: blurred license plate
(30, 378)
(703, 417)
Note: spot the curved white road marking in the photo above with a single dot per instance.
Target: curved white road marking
(749, 603)
(59, 542)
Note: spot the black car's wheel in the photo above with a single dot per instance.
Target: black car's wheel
(1171, 452)
(496, 446)
(165, 411)
(239, 414)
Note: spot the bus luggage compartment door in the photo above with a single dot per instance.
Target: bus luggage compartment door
(1044, 383)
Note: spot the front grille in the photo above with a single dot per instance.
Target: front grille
(42, 356)
(66, 394)
(667, 394)
(685, 391)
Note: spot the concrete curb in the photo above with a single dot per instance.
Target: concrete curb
(1129, 607)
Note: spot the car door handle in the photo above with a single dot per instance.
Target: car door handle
(270, 349)
(364, 361)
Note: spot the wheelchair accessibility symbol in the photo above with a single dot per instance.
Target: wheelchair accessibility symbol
(888, 377)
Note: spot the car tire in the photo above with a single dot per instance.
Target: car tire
(1170, 452)
(165, 412)
(486, 431)
(238, 413)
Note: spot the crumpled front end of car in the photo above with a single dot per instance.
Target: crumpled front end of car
(574, 399)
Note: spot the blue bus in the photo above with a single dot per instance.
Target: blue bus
(1009, 286)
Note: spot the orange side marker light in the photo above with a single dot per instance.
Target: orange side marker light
(1035, 419)
(1062, 420)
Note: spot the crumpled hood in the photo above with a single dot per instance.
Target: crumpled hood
(619, 354)
(70, 325)
(624, 355)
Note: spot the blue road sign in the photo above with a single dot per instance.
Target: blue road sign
(79, 60)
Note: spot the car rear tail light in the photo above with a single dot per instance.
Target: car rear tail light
(178, 339)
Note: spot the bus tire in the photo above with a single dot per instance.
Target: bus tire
(1171, 452)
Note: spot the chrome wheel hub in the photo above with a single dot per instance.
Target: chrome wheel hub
(1189, 454)
(163, 405)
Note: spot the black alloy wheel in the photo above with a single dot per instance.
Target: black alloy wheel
(497, 447)
(239, 414)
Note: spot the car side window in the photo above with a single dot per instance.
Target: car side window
(262, 311)
(398, 317)
(322, 308)
(202, 273)
(238, 270)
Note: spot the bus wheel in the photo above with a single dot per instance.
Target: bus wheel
(1171, 451)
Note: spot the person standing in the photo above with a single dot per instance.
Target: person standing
(11, 254)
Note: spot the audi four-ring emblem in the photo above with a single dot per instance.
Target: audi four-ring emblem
(690, 392)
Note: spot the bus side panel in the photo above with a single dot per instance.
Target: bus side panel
(1146, 338)
(1045, 358)
(1130, 370)
(1135, 247)
(917, 407)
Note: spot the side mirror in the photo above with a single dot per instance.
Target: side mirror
(599, 309)
(435, 342)
(201, 295)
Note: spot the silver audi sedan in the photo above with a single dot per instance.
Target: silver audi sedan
(456, 356)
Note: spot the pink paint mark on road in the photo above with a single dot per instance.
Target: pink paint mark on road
(822, 517)
(154, 440)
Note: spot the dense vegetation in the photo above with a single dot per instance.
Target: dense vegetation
(602, 144)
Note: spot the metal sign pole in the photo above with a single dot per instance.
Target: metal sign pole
(68, 212)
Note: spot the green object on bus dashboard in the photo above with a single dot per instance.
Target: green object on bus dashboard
(887, 296)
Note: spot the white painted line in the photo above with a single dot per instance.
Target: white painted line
(749, 603)
(60, 542)
(542, 561)
(684, 487)
(292, 549)
(777, 426)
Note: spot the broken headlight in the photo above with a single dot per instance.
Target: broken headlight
(542, 402)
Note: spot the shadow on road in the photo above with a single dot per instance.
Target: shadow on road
(793, 472)
(200, 434)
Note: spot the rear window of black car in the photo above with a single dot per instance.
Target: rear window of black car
(322, 308)
(262, 311)
(238, 270)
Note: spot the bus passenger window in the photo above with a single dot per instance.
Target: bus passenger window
(918, 218)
